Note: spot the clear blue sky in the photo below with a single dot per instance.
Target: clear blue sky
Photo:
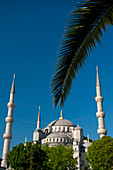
(30, 33)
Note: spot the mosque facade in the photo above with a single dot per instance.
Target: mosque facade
(63, 132)
(59, 131)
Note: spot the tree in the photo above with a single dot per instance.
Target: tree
(16, 157)
(84, 29)
(35, 157)
(60, 157)
(30, 157)
(100, 154)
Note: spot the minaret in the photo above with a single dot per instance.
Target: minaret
(38, 133)
(9, 120)
(100, 114)
(39, 120)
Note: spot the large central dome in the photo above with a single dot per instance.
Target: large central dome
(61, 122)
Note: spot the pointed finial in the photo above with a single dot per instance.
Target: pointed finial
(97, 68)
(78, 125)
(88, 138)
(25, 141)
(14, 76)
(61, 115)
(39, 107)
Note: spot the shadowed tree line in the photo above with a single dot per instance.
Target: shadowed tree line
(100, 154)
(35, 157)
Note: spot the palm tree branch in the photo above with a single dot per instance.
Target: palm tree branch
(84, 30)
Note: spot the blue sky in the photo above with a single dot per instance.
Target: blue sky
(30, 34)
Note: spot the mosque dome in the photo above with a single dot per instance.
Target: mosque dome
(58, 138)
(61, 122)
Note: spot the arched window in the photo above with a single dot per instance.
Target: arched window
(67, 129)
(46, 131)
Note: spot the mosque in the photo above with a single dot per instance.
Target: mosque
(60, 131)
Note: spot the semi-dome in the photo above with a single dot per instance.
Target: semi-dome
(58, 135)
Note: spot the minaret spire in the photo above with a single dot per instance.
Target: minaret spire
(39, 120)
(88, 138)
(13, 85)
(9, 120)
(98, 86)
(100, 114)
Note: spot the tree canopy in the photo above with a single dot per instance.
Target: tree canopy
(60, 157)
(85, 28)
(100, 154)
(35, 157)
(30, 157)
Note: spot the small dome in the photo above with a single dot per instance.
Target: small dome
(61, 122)
(87, 144)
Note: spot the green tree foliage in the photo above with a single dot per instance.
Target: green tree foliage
(100, 154)
(86, 24)
(35, 157)
(30, 157)
(85, 167)
(60, 157)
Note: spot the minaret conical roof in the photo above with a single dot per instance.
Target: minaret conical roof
(98, 81)
(13, 85)
(39, 119)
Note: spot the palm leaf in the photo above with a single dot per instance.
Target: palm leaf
(85, 28)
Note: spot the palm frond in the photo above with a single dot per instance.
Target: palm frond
(83, 31)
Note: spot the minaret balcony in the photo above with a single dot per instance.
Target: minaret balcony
(102, 131)
(11, 105)
(99, 99)
(100, 114)
(9, 119)
(7, 136)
